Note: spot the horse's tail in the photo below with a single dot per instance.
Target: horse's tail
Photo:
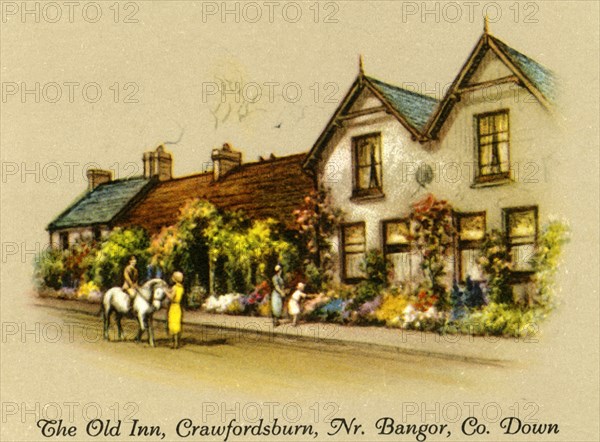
(101, 311)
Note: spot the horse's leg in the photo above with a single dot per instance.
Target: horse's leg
(150, 331)
(119, 326)
(140, 319)
(106, 313)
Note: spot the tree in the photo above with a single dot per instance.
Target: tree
(240, 252)
(183, 246)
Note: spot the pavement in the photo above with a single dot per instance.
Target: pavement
(488, 350)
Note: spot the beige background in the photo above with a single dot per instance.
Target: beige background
(169, 53)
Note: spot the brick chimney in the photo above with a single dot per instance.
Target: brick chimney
(158, 163)
(96, 177)
(224, 160)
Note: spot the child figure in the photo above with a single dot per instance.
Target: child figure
(175, 313)
(294, 303)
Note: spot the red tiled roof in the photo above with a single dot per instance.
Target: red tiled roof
(270, 188)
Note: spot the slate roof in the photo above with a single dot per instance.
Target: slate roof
(270, 188)
(542, 78)
(101, 205)
(415, 108)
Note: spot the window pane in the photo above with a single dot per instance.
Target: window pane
(472, 228)
(396, 233)
(364, 173)
(353, 264)
(364, 154)
(368, 161)
(469, 264)
(521, 257)
(400, 267)
(493, 144)
(521, 224)
(354, 234)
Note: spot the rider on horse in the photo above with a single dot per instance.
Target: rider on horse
(130, 278)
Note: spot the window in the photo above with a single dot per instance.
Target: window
(367, 165)
(353, 251)
(493, 146)
(97, 233)
(397, 250)
(521, 227)
(64, 240)
(471, 232)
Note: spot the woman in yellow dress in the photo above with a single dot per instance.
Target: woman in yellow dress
(174, 316)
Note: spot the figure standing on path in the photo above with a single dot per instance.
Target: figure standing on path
(294, 304)
(175, 313)
(277, 295)
(130, 278)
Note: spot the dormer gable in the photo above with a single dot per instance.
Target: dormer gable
(492, 63)
(369, 96)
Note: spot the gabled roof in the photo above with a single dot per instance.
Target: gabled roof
(102, 205)
(415, 108)
(411, 109)
(538, 80)
(267, 189)
(423, 116)
(542, 78)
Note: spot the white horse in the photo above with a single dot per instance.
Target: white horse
(148, 299)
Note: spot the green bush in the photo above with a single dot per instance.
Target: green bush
(501, 320)
(496, 263)
(545, 263)
(376, 268)
(49, 269)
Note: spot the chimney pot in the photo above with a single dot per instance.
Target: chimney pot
(96, 177)
(225, 160)
(158, 163)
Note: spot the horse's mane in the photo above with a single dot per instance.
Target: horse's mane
(151, 283)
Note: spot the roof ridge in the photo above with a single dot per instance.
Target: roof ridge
(242, 165)
(403, 89)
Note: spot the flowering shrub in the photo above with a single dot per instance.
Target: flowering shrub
(317, 221)
(502, 320)
(89, 291)
(230, 303)
(433, 237)
(546, 260)
(253, 300)
(368, 309)
(391, 310)
(496, 263)
(49, 269)
(334, 310)
(425, 300)
(264, 308)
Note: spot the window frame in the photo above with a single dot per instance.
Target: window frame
(506, 213)
(63, 240)
(343, 254)
(461, 244)
(500, 177)
(372, 191)
(389, 249)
